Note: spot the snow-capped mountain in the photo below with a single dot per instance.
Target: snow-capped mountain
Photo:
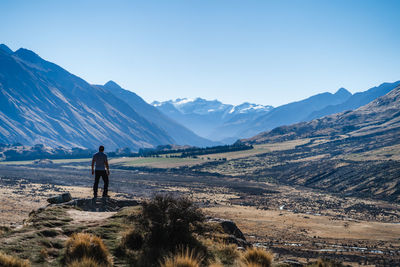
(205, 116)
(205, 107)
(227, 123)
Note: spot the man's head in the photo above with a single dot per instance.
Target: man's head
(101, 148)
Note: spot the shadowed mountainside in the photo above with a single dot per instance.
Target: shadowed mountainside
(41, 102)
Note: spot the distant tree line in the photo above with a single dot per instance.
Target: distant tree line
(18, 151)
(194, 151)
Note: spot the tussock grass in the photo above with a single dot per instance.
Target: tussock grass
(227, 253)
(252, 264)
(256, 257)
(85, 262)
(83, 245)
(10, 261)
(186, 258)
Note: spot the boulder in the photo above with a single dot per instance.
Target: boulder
(235, 235)
(101, 204)
(65, 197)
(229, 227)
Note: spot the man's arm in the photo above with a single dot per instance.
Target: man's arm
(92, 165)
(108, 168)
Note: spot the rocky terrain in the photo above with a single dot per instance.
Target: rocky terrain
(296, 223)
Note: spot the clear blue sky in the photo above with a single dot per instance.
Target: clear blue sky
(266, 52)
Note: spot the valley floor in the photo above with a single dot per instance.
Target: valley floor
(295, 223)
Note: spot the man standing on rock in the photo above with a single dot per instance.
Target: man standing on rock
(101, 162)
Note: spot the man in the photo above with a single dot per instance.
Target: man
(101, 162)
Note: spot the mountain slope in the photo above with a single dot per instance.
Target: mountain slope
(179, 133)
(207, 118)
(381, 115)
(42, 103)
(355, 101)
(294, 112)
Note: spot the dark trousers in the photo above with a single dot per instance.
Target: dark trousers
(97, 175)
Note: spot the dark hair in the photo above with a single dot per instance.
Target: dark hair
(101, 148)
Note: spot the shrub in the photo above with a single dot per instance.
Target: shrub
(257, 257)
(132, 240)
(82, 245)
(169, 221)
(9, 261)
(85, 262)
(185, 258)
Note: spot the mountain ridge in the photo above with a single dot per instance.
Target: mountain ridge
(43, 103)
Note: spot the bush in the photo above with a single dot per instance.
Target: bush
(164, 224)
(82, 246)
(85, 262)
(257, 257)
(169, 221)
(9, 261)
(185, 258)
(132, 240)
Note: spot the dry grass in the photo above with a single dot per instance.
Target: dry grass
(85, 262)
(83, 245)
(9, 261)
(186, 258)
(286, 224)
(255, 257)
(227, 254)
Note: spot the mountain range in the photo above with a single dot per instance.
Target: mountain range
(41, 102)
(227, 123)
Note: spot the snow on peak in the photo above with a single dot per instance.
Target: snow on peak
(182, 101)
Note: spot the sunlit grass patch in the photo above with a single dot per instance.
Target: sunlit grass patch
(82, 246)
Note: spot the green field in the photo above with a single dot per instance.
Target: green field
(55, 161)
(161, 162)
